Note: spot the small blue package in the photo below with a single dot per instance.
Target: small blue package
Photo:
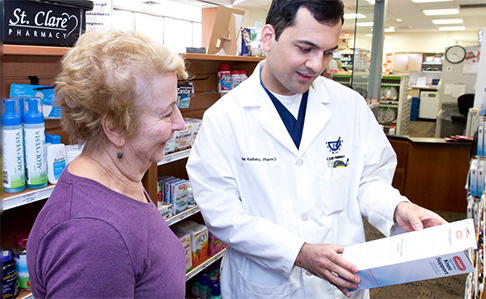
(184, 92)
(45, 93)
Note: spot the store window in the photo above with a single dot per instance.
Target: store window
(176, 25)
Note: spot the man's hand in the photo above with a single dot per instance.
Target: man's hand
(325, 261)
(413, 217)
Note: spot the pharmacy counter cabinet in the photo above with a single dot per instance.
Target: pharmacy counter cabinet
(432, 172)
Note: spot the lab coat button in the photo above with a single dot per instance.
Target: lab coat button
(305, 217)
(299, 162)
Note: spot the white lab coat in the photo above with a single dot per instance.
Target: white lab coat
(264, 197)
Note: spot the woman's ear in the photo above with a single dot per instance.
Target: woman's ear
(268, 36)
(112, 132)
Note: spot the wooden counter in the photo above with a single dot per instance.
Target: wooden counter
(432, 172)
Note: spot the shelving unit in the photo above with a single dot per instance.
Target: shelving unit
(19, 62)
(402, 104)
(432, 62)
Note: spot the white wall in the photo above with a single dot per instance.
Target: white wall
(432, 42)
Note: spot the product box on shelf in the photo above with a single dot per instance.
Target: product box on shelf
(215, 245)
(429, 253)
(44, 22)
(183, 139)
(179, 196)
(43, 92)
(184, 92)
(185, 239)
(170, 146)
(165, 210)
(160, 187)
(194, 124)
(199, 240)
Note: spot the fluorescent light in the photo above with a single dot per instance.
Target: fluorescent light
(447, 21)
(369, 35)
(353, 16)
(426, 1)
(391, 29)
(388, 37)
(459, 28)
(438, 12)
(372, 2)
(364, 24)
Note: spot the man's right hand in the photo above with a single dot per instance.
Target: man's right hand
(325, 261)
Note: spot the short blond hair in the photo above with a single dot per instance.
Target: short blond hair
(98, 79)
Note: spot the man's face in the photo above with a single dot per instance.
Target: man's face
(301, 54)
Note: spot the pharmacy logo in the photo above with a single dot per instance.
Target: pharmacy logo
(335, 146)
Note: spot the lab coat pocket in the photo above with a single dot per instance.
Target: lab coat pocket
(335, 184)
(247, 289)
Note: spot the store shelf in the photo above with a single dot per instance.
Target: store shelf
(181, 216)
(204, 265)
(24, 295)
(174, 157)
(25, 197)
(34, 50)
(59, 51)
(213, 57)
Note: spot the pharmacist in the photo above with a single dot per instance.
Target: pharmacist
(286, 165)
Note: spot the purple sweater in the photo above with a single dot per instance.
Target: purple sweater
(89, 241)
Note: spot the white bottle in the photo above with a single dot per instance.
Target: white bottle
(13, 149)
(34, 144)
(56, 159)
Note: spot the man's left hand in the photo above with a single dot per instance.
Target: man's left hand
(413, 217)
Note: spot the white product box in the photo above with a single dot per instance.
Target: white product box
(165, 210)
(430, 253)
(195, 125)
(170, 146)
(166, 189)
(185, 239)
(183, 139)
(179, 196)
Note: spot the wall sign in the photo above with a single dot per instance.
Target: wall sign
(43, 23)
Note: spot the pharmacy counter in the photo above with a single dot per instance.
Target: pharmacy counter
(432, 172)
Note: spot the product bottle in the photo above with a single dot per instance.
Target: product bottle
(34, 144)
(20, 256)
(243, 76)
(235, 78)
(9, 276)
(204, 287)
(224, 78)
(216, 291)
(13, 149)
(56, 159)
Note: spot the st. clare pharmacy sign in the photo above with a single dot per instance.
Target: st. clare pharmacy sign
(48, 23)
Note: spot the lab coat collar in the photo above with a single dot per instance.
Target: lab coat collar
(317, 114)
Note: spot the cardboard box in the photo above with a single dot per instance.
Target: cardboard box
(185, 239)
(199, 243)
(165, 210)
(44, 22)
(215, 245)
(199, 240)
(430, 253)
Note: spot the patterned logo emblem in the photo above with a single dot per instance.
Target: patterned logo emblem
(335, 146)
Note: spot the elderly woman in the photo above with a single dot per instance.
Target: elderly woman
(99, 234)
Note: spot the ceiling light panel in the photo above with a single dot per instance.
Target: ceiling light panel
(447, 21)
(439, 12)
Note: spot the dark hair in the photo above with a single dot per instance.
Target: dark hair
(282, 12)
